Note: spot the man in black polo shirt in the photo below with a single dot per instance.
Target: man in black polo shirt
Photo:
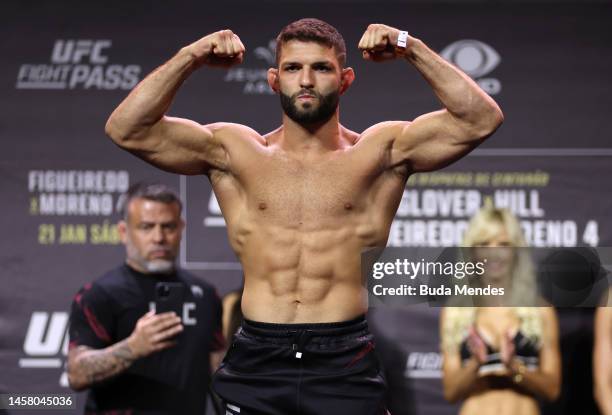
(132, 360)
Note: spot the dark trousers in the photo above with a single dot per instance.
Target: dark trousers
(302, 369)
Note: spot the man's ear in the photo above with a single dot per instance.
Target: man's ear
(348, 76)
(273, 79)
(122, 229)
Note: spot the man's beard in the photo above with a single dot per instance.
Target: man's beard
(159, 266)
(310, 115)
(151, 266)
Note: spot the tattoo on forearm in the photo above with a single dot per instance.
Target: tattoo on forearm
(98, 365)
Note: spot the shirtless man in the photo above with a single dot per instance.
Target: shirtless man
(303, 201)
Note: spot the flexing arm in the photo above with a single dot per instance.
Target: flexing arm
(87, 366)
(602, 359)
(437, 139)
(139, 123)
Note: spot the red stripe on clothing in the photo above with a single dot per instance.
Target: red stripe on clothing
(96, 326)
(367, 349)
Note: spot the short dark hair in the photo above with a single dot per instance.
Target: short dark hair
(156, 192)
(312, 30)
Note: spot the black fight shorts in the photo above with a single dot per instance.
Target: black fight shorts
(301, 369)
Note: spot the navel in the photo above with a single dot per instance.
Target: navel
(262, 206)
(348, 206)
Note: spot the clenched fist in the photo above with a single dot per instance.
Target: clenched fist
(379, 43)
(222, 49)
(154, 332)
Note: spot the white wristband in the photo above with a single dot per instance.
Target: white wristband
(402, 39)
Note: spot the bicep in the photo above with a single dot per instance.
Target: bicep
(433, 141)
(181, 146)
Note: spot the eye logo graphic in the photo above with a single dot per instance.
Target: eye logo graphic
(477, 59)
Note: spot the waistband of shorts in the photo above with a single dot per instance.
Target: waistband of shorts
(355, 325)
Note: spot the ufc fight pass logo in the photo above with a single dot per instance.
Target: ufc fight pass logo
(78, 64)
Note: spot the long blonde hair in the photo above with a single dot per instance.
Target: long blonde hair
(460, 316)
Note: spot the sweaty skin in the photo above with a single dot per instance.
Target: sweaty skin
(298, 222)
(302, 202)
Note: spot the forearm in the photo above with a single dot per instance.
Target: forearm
(151, 98)
(541, 384)
(458, 385)
(92, 366)
(459, 94)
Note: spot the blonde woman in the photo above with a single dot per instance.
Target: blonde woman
(497, 359)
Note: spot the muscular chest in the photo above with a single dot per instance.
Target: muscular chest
(294, 189)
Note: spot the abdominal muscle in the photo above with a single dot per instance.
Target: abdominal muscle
(499, 402)
(303, 274)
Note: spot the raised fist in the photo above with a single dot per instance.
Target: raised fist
(379, 43)
(222, 49)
